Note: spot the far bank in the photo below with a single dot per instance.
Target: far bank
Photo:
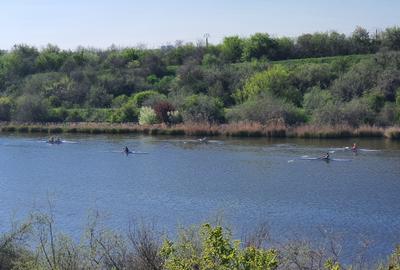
(240, 129)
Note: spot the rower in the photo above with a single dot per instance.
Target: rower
(126, 150)
(326, 156)
(203, 140)
(354, 147)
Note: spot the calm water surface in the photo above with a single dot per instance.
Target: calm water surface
(181, 182)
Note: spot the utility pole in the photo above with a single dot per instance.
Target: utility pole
(206, 36)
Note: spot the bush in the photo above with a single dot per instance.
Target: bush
(58, 115)
(353, 113)
(119, 101)
(388, 115)
(98, 97)
(75, 115)
(174, 117)
(140, 97)
(330, 114)
(147, 116)
(201, 108)
(312, 75)
(274, 81)
(357, 112)
(5, 109)
(213, 248)
(266, 109)
(316, 99)
(163, 110)
(31, 108)
(358, 80)
(127, 113)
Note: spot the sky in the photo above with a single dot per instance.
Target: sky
(100, 23)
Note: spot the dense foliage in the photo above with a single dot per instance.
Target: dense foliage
(37, 244)
(320, 78)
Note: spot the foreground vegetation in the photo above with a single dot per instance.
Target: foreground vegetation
(36, 244)
(319, 79)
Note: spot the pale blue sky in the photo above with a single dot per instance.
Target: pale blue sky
(100, 23)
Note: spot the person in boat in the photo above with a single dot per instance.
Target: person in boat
(126, 150)
(354, 147)
(203, 140)
(326, 156)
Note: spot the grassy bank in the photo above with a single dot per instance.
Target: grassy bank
(242, 129)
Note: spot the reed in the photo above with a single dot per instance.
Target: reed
(393, 133)
(239, 129)
(370, 131)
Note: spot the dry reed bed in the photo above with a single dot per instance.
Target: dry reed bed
(241, 129)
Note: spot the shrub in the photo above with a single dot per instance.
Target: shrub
(98, 97)
(127, 113)
(75, 115)
(5, 109)
(119, 101)
(140, 97)
(31, 108)
(213, 248)
(357, 112)
(330, 114)
(174, 117)
(274, 81)
(201, 108)
(316, 99)
(58, 115)
(147, 116)
(388, 115)
(163, 109)
(266, 109)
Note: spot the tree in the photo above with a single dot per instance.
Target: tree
(273, 81)
(232, 49)
(31, 108)
(316, 99)
(50, 58)
(260, 45)
(202, 108)
(266, 109)
(391, 38)
(5, 108)
(98, 97)
(361, 41)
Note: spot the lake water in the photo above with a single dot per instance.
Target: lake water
(182, 182)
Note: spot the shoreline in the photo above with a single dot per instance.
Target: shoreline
(241, 129)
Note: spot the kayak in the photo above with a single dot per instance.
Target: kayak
(326, 159)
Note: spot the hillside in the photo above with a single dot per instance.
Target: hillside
(320, 78)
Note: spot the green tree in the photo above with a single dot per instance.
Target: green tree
(260, 45)
(141, 97)
(391, 38)
(361, 40)
(316, 99)
(232, 49)
(202, 108)
(274, 81)
(5, 108)
(31, 108)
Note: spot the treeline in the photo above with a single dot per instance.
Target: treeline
(37, 245)
(321, 78)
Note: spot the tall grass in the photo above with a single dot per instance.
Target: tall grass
(238, 129)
